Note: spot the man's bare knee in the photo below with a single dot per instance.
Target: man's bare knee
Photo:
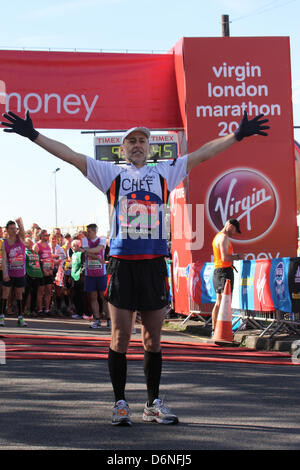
(120, 341)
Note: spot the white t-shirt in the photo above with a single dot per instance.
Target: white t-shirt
(85, 243)
(102, 174)
(138, 204)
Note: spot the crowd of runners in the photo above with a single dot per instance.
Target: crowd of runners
(50, 273)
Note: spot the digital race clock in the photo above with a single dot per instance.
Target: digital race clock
(162, 147)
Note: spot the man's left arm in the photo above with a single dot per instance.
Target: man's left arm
(209, 150)
(246, 128)
(224, 251)
(94, 251)
(91, 251)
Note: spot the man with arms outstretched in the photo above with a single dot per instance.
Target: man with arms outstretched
(136, 271)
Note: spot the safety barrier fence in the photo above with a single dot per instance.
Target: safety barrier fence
(266, 294)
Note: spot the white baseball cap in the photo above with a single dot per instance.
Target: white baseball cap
(144, 130)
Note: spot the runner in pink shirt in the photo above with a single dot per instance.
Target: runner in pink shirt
(13, 267)
(95, 273)
(45, 289)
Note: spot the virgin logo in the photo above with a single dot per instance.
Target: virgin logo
(175, 270)
(178, 271)
(246, 195)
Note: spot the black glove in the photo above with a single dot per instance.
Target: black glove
(254, 126)
(20, 126)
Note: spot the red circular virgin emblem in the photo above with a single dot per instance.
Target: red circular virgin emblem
(246, 195)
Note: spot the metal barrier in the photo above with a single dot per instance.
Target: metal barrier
(267, 322)
(281, 276)
(200, 312)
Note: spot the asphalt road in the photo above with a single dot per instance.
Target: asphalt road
(51, 404)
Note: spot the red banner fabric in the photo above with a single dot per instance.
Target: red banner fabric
(194, 282)
(262, 291)
(80, 90)
(297, 172)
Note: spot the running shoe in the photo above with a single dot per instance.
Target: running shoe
(121, 414)
(159, 413)
(2, 321)
(21, 322)
(96, 325)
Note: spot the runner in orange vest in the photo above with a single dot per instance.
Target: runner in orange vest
(223, 261)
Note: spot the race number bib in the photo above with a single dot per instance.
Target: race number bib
(139, 216)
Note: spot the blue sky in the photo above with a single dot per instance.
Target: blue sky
(27, 179)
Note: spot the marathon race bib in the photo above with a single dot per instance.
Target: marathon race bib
(94, 263)
(16, 262)
(47, 264)
(33, 260)
(139, 215)
(94, 267)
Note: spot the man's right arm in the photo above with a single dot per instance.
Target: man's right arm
(24, 127)
(63, 152)
(4, 264)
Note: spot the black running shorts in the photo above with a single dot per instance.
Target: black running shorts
(219, 278)
(17, 282)
(137, 284)
(46, 280)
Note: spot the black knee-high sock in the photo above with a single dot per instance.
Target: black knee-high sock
(117, 365)
(152, 369)
(3, 306)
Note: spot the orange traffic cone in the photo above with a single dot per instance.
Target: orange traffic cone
(223, 331)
